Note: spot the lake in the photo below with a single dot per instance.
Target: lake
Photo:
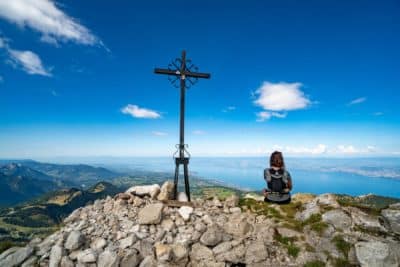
(353, 176)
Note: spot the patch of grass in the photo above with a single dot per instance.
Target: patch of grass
(5, 245)
(319, 227)
(314, 264)
(288, 242)
(309, 248)
(313, 219)
(342, 263)
(342, 245)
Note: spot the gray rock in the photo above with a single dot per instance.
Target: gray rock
(256, 252)
(375, 254)
(17, 257)
(185, 212)
(201, 253)
(392, 216)
(98, 244)
(365, 221)
(310, 209)
(237, 225)
(212, 236)
(327, 199)
(66, 262)
(148, 261)
(31, 262)
(8, 252)
(235, 255)
(56, 254)
(338, 218)
(163, 252)
(395, 206)
(222, 247)
(145, 247)
(167, 191)
(151, 214)
(87, 256)
(128, 241)
(131, 258)
(143, 190)
(179, 252)
(108, 259)
(74, 241)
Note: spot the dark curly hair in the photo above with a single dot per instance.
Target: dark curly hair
(276, 160)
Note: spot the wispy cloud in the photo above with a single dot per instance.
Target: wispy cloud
(28, 61)
(228, 109)
(279, 97)
(157, 133)
(54, 93)
(357, 101)
(1, 79)
(266, 115)
(45, 17)
(137, 112)
(378, 113)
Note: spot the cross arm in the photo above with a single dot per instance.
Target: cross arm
(186, 73)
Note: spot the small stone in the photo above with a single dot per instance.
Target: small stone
(66, 262)
(185, 212)
(108, 259)
(235, 210)
(179, 252)
(131, 259)
(201, 253)
(127, 242)
(256, 252)
(212, 236)
(98, 244)
(232, 201)
(151, 214)
(74, 241)
(222, 247)
(338, 218)
(237, 225)
(392, 216)
(148, 261)
(201, 227)
(163, 252)
(167, 224)
(31, 262)
(87, 256)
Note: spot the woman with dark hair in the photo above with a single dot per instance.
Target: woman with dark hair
(278, 180)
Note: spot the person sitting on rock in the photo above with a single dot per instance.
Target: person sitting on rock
(278, 180)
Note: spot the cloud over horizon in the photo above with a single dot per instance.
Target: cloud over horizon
(357, 101)
(45, 17)
(137, 112)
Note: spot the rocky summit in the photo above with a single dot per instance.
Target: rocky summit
(143, 227)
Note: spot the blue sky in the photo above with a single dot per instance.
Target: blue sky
(314, 78)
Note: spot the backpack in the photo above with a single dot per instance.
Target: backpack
(278, 181)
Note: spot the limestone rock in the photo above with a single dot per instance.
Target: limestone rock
(131, 258)
(365, 221)
(310, 208)
(212, 236)
(327, 199)
(393, 218)
(55, 256)
(232, 201)
(98, 244)
(87, 256)
(256, 252)
(185, 212)
(179, 252)
(128, 241)
(237, 225)
(148, 261)
(108, 259)
(375, 253)
(167, 191)
(74, 241)
(151, 214)
(201, 253)
(182, 197)
(143, 190)
(17, 257)
(163, 252)
(338, 218)
(66, 262)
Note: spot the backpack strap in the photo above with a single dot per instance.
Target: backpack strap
(285, 177)
(267, 175)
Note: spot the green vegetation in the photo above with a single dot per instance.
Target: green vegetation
(342, 245)
(315, 264)
(6, 245)
(221, 192)
(370, 204)
(288, 242)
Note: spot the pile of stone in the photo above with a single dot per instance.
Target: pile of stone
(141, 228)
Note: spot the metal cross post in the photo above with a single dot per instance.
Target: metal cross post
(183, 70)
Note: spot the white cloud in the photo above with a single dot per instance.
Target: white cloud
(228, 109)
(347, 149)
(317, 150)
(281, 96)
(357, 101)
(28, 61)
(45, 17)
(378, 113)
(157, 133)
(137, 112)
(198, 132)
(266, 115)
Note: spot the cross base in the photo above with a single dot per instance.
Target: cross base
(184, 161)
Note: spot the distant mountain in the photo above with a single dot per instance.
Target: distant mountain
(19, 183)
(42, 215)
(80, 175)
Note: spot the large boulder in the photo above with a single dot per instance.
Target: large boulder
(185, 212)
(145, 190)
(167, 191)
(17, 257)
(375, 254)
(108, 259)
(212, 236)
(55, 255)
(338, 218)
(365, 221)
(87, 256)
(256, 252)
(237, 225)
(392, 216)
(151, 214)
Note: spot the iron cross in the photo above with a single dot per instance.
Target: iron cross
(182, 70)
